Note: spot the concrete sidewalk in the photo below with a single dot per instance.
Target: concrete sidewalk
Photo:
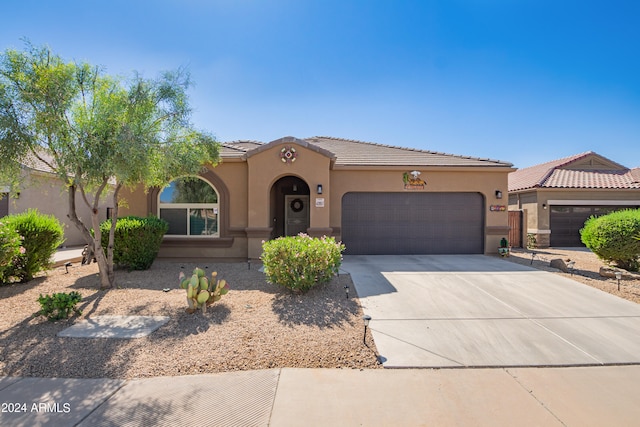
(580, 396)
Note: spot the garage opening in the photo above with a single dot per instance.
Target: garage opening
(566, 221)
(412, 223)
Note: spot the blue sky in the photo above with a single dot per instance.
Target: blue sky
(519, 81)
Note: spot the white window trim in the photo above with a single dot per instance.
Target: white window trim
(188, 206)
(594, 202)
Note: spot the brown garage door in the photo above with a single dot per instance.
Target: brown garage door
(566, 221)
(413, 223)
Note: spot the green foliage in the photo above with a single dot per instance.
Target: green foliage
(532, 242)
(41, 236)
(9, 250)
(59, 306)
(202, 292)
(136, 242)
(96, 132)
(300, 262)
(193, 190)
(611, 237)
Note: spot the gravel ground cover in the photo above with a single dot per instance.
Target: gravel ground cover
(586, 269)
(257, 325)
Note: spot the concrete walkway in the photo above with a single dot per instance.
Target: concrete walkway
(579, 396)
(480, 311)
(567, 396)
(71, 254)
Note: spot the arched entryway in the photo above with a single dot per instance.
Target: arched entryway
(289, 206)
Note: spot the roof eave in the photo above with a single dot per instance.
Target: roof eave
(291, 140)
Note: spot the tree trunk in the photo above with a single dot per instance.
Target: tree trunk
(107, 277)
(105, 263)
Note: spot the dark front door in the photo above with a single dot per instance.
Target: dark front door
(296, 214)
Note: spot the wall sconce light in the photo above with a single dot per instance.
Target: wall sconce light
(295, 188)
(544, 206)
(319, 189)
(366, 318)
(498, 194)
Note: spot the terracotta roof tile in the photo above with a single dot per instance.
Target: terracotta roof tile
(564, 178)
(560, 174)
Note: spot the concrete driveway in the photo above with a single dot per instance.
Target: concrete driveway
(480, 311)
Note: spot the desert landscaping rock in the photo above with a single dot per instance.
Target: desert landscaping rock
(559, 264)
(586, 269)
(257, 325)
(610, 272)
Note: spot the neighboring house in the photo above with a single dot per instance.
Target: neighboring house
(41, 189)
(557, 197)
(376, 199)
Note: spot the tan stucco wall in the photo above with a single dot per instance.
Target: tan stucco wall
(49, 196)
(264, 169)
(537, 204)
(483, 181)
(247, 216)
(230, 180)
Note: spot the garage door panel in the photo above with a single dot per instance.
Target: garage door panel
(413, 223)
(566, 221)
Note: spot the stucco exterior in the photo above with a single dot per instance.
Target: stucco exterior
(251, 210)
(583, 180)
(44, 192)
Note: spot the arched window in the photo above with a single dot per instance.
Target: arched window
(190, 206)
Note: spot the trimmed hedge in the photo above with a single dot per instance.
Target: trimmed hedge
(9, 249)
(300, 262)
(612, 237)
(41, 236)
(136, 242)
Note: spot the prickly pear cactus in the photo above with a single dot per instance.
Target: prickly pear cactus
(202, 291)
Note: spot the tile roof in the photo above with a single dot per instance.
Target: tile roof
(40, 163)
(567, 173)
(359, 153)
(348, 152)
(236, 149)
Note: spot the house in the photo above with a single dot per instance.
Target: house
(41, 189)
(376, 199)
(557, 197)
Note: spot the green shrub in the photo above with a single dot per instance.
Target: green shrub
(611, 237)
(41, 236)
(59, 306)
(137, 240)
(300, 262)
(9, 250)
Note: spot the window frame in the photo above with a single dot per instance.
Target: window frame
(192, 206)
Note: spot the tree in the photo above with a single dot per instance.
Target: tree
(97, 133)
